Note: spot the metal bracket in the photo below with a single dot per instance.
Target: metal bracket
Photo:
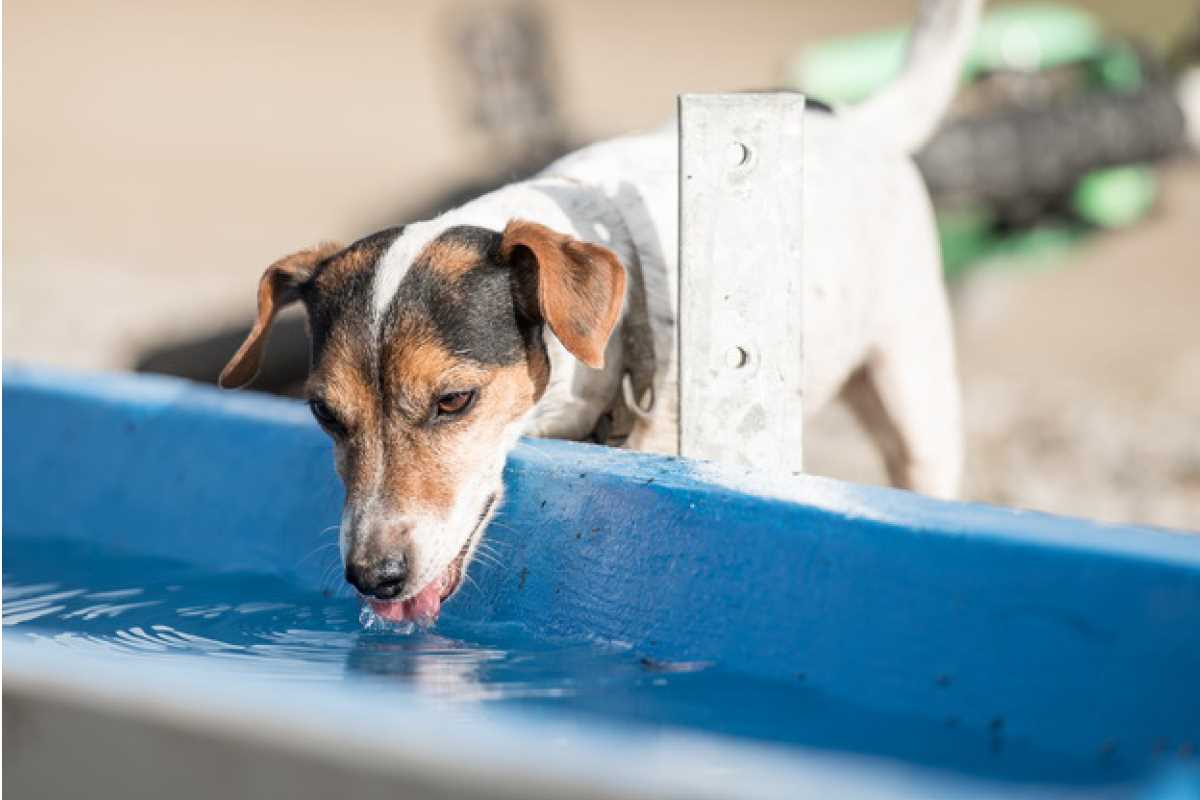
(741, 348)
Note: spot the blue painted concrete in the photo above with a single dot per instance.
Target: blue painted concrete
(1075, 640)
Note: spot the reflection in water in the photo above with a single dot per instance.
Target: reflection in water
(296, 634)
(80, 598)
(437, 666)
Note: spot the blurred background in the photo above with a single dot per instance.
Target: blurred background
(159, 155)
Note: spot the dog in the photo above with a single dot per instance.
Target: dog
(436, 345)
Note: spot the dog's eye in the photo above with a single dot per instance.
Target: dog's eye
(325, 416)
(449, 405)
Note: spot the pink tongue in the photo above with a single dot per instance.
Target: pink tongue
(422, 608)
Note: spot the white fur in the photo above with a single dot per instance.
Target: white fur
(391, 270)
(1188, 95)
(904, 114)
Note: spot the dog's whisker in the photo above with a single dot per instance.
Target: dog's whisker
(488, 558)
(495, 557)
(489, 552)
(467, 579)
(495, 545)
(329, 576)
(335, 587)
(318, 549)
(506, 527)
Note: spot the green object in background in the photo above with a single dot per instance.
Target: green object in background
(1037, 247)
(968, 240)
(848, 69)
(966, 236)
(1033, 37)
(1021, 37)
(1106, 198)
(1115, 197)
(1119, 67)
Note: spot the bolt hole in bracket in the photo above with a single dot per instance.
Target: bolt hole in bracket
(741, 348)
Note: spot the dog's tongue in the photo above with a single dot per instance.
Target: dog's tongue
(422, 608)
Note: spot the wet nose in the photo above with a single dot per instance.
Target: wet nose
(383, 579)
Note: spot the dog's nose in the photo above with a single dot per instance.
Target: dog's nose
(383, 579)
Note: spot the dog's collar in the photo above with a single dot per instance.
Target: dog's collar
(635, 398)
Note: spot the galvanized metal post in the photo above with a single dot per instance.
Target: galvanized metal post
(741, 348)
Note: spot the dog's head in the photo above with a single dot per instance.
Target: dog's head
(427, 356)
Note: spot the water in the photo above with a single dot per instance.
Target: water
(80, 597)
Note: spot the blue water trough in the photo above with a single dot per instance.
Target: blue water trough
(709, 631)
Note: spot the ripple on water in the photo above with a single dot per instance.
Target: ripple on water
(81, 597)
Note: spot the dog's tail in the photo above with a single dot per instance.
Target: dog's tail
(905, 113)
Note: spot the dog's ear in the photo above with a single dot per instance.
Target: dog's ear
(575, 287)
(279, 287)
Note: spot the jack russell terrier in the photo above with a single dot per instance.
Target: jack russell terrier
(436, 345)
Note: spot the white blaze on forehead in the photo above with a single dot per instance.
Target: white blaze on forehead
(395, 265)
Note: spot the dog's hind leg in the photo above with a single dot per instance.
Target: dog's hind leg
(906, 397)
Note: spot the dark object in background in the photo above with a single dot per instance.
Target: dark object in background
(507, 61)
(284, 370)
(1020, 161)
(1185, 54)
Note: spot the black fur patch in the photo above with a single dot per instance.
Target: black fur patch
(472, 311)
(345, 300)
(813, 104)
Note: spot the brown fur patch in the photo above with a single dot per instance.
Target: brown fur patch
(580, 286)
(450, 256)
(344, 266)
(342, 381)
(417, 475)
(537, 365)
(417, 366)
(427, 459)
(278, 288)
(426, 463)
(510, 392)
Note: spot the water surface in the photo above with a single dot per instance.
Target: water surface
(80, 597)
